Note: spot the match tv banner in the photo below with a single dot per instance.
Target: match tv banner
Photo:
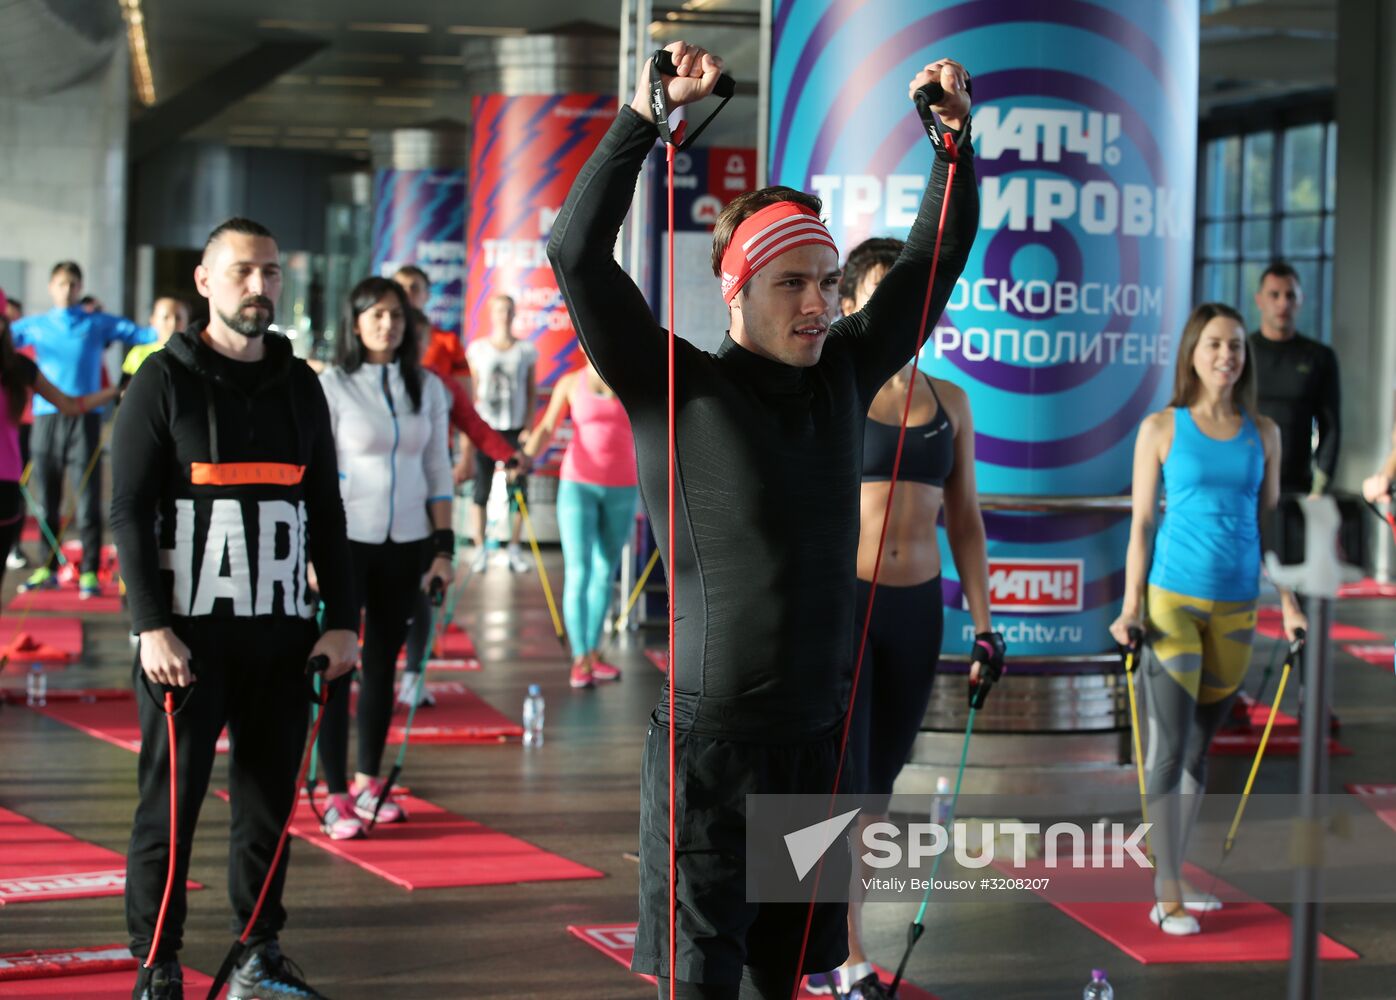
(1062, 327)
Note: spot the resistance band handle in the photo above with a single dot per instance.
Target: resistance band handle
(913, 934)
(317, 665)
(664, 63)
(925, 97)
(436, 592)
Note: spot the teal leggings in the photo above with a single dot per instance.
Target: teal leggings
(594, 522)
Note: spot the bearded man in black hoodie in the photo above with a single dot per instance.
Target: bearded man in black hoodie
(224, 486)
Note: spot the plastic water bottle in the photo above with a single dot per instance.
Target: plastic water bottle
(1098, 988)
(533, 717)
(36, 686)
(940, 802)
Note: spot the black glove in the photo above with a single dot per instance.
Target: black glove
(989, 651)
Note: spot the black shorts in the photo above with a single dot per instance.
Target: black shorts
(484, 472)
(719, 930)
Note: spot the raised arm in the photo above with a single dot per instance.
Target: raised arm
(128, 331)
(882, 335)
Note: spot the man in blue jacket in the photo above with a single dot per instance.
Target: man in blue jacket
(68, 343)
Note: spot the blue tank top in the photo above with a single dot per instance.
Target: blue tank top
(1208, 544)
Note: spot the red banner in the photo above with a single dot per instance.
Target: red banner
(525, 155)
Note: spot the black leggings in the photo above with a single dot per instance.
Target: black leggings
(11, 521)
(894, 684)
(387, 578)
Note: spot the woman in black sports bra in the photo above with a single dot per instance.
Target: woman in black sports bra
(936, 475)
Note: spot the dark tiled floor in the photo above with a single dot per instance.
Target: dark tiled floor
(361, 937)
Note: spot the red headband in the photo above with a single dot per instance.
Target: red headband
(764, 236)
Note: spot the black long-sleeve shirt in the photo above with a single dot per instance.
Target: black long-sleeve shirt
(224, 482)
(1297, 385)
(768, 457)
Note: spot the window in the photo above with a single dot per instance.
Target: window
(1268, 194)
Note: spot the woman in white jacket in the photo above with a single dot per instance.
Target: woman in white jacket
(390, 428)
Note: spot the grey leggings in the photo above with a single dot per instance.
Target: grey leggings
(1175, 764)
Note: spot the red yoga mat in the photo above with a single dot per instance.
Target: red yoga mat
(113, 721)
(660, 659)
(41, 864)
(52, 962)
(459, 716)
(67, 601)
(50, 641)
(1285, 740)
(617, 942)
(1379, 654)
(437, 849)
(454, 651)
(16, 696)
(1366, 589)
(98, 986)
(1270, 623)
(1243, 930)
(1381, 799)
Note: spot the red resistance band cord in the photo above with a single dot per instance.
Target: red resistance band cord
(286, 828)
(881, 543)
(174, 829)
(670, 149)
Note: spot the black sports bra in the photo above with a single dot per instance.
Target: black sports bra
(928, 456)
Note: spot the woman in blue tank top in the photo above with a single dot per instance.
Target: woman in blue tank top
(1192, 586)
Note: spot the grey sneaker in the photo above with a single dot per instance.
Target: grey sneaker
(266, 974)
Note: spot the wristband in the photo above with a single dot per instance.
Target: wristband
(443, 542)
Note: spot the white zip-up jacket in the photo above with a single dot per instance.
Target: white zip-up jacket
(392, 462)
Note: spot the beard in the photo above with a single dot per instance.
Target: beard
(254, 325)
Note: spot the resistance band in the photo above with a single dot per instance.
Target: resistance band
(619, 625)
(926, 97)
(1131, 655)
(542, 570)
(316, 667)
(167, 708)
(1296, 649)
(437, 596)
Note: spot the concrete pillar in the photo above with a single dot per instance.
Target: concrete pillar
(1364, 293)
(63, 184)
(419, 196)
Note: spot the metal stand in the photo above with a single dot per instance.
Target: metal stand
(1317, 578)
(1307, 910)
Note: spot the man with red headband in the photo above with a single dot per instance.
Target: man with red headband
(769, 446)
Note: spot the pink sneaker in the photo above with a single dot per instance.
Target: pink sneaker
(581, 676)
(367, 799)
(340, 823)
(604, 671)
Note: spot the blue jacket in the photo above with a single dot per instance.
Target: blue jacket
(69, 343)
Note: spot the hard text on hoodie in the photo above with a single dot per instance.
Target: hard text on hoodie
(393, 461)
(224, 486)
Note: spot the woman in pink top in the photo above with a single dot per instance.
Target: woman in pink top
(19, 376)
(595, 509)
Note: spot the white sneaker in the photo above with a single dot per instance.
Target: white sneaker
(1177, 924)
(1198, 901)
(408, 687)
(480, 561)
(518, 562)
(16, 560)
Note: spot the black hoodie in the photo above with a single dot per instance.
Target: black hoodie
(224, 483)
